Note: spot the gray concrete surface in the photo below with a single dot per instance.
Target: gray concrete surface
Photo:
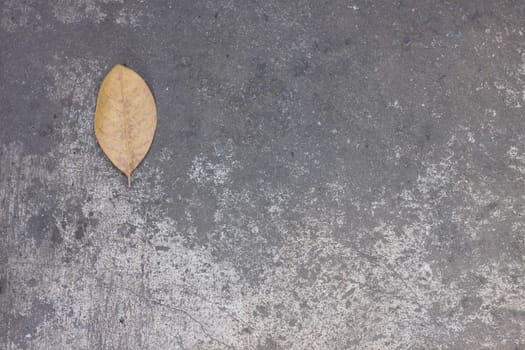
(325, 175)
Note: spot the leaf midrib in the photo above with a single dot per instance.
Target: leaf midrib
(123, 114)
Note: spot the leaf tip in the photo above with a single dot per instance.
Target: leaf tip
(119, 66)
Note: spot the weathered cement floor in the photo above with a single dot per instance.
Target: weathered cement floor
(341, 174)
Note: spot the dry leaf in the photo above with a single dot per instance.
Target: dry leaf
(125, 118)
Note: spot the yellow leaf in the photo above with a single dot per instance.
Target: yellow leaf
(125, 118)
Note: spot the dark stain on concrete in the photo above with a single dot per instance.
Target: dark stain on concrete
(24, 327)
(42, 227)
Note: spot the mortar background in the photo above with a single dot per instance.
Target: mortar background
(325, 175)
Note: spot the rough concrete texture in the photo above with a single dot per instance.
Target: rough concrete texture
(343, 174)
